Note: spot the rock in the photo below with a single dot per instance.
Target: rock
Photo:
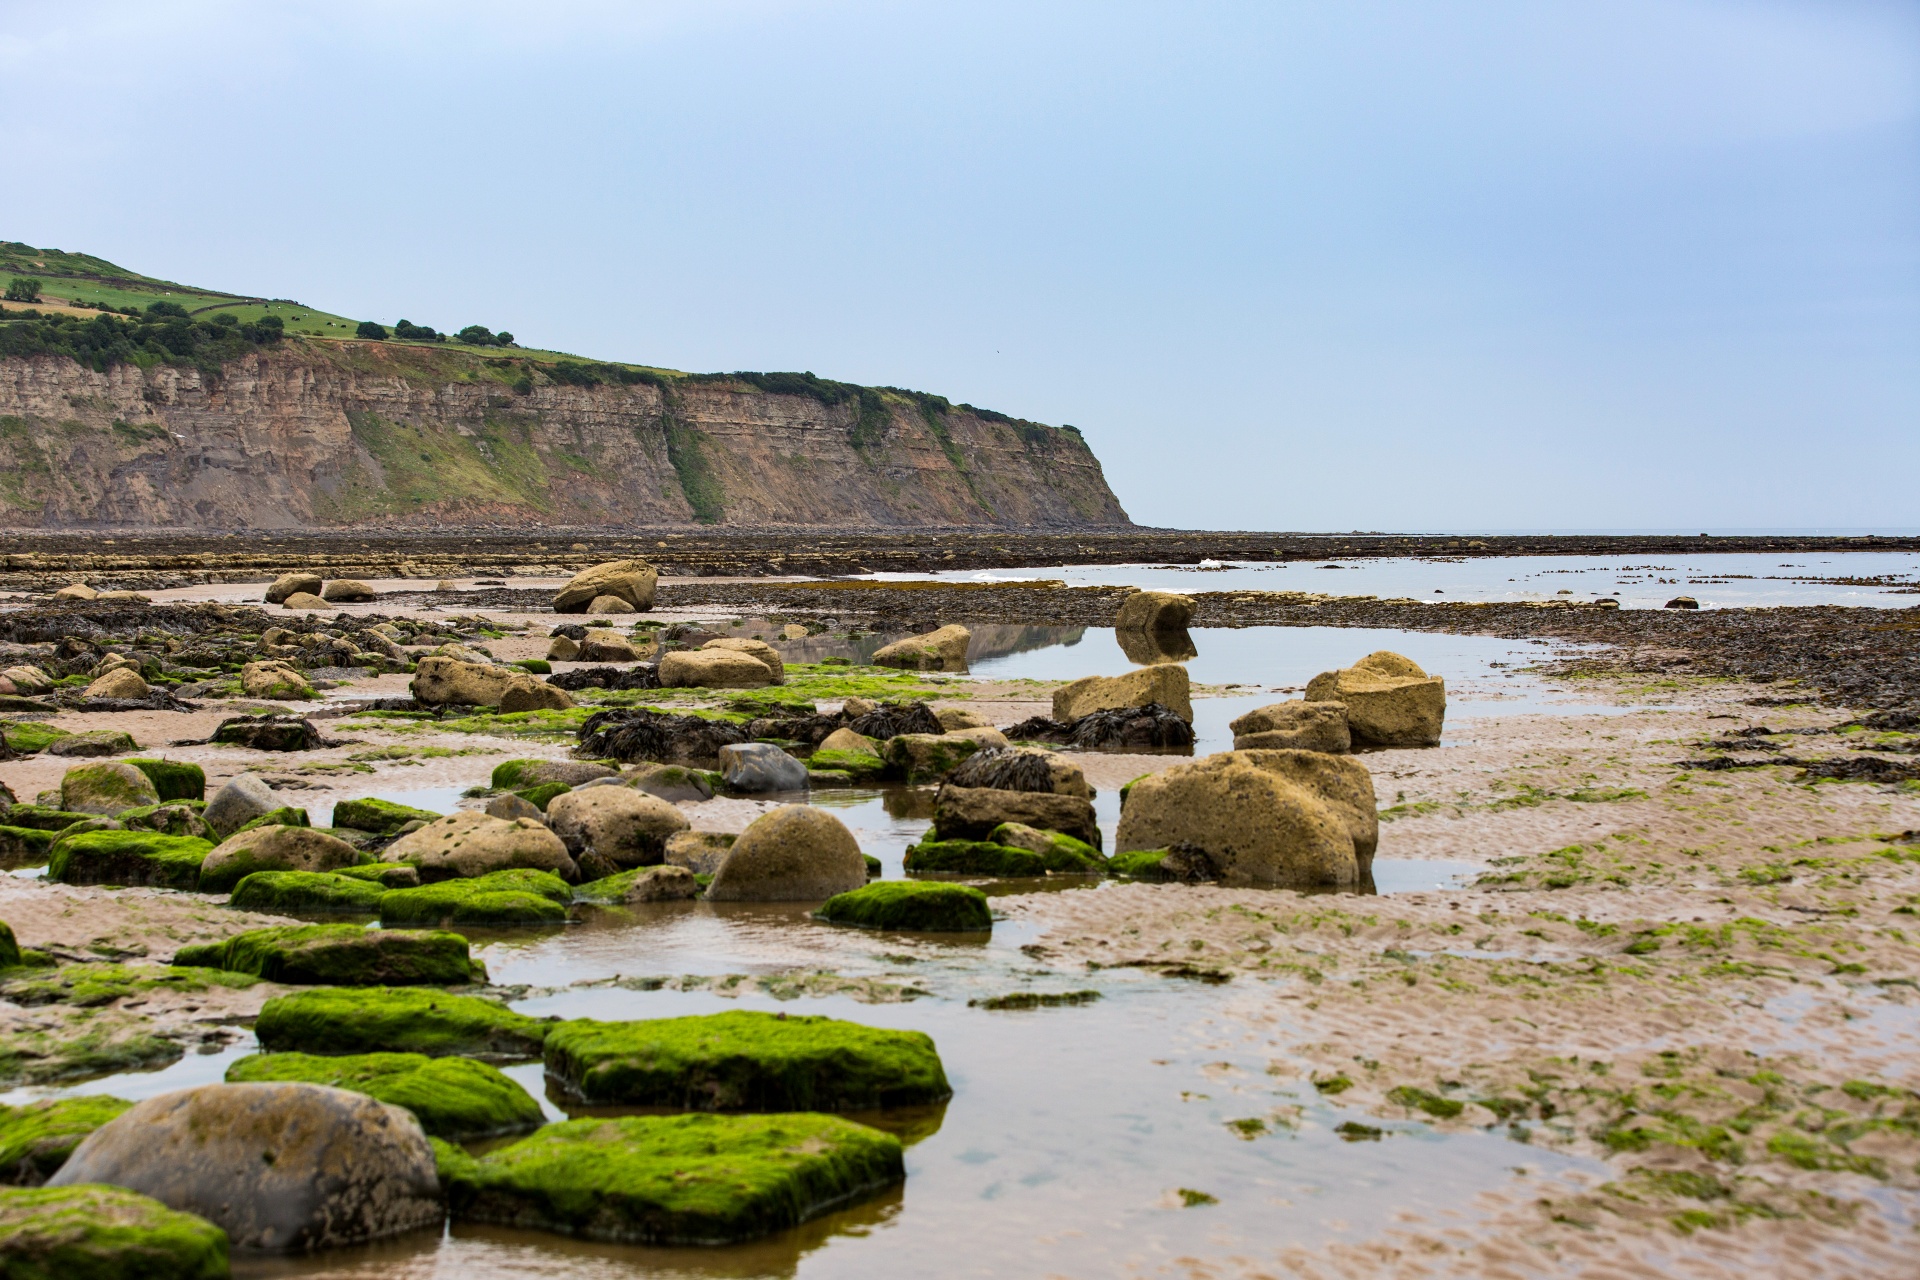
(760, 650)
(284, 893)
(1150, 647)
(112, 662)
(278, 1167)
(342, 955)
(971, 813)
(744, 1061)
(627, 827)
(346, 591)
(973, 858)
(854, 708)
(174, 779)
(511, 807)
(29, 680)
(1273, 818)
(289, 584)
(518, 897)
(525, 693)
(382, 816)
(473, 844)
(1149, 728)
(674, 1180)
(78, 591)
(562, 650)
(758, 767)
(443, 681)
(911, 906)
(713, 669)
(1165, 684)
(941, 650)
(1154, 611)
(609, 604)
(602, 645)
(104, 1233)
(286, 816)
(238, 803)
(37, 1137)
(454, 1099)
(1023, 769)
(275, 680)
(848, 740)
(403, 1020)
(1061, 853)
(1307, 726)
(519, 774)
(699, 852)
(673, 783)
(270, 732)
(981, 737)
(926, 757)
(642, 884)
(303, 600)
(122, 682)
(1682, 602)
(92, 743)
(642, 734)
(272, 848)
(890, 720)
(177, 819)
(629, 580)
(795, 853)
(1390, 702)
(106, 788)
(952, 718)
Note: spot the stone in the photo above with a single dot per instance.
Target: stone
(926, 757)
(891, 719)
(699, 852)
(1388, 663)
(444, 681)
(1023, 769)
(519, 774)
(713, 669)
(106, 788)
(848, 740)
(272, 848)
(454, 1099)
(973, 858)
(673, 783)
(239, 802)
(341, 955)
(642, 884)
(174, 779)
(745, 1060)
(518, 897)
(346, 591)
(381, 816)
(952, 718)
(343, 1020)
(121, 682)
(37, 1137)
(1154, 611)
(941, 650)
(856, 707)
(29, 680)
(1390, 702)
(971, 813)
(77, 591)
(1296, 819)
(289, 584)
(674, 1180)
(756, 649)
(624, 826)
(511, 807)
(269, 732)
(794, 853)
(285, 893)
(562, 649)
(1061, 853)
(981, 736)
(601, 645)
(1307, 726)
(1150, 647)
(630, 580)
(473, 844)
(1682, 602)
(104, 1233)
(306, 600)
(92, 743)
(274, 680)
(759, 767)
(638, 733)
(279, 1167)
(911, 906)
(609, 604)
(526, 693)
(1165, 684)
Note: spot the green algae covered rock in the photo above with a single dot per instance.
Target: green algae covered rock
(745, 1061)
(544, 794)
(859, 766)
(92, 1232)
(341, 955)
(284, 816)
(273, 847)
(174, 779)
(382, 816)
(288, 893)
(24, 846)
(9, 948)
(106, 788)
(41, 818)
(173, 818)
(911, 905)
(457, 1099)
(1063, 854)
(128, 858)
(694, 1179)
(1139, 864)
(974, 858)
(519, 896)
(36, 1139)
(405, 1020)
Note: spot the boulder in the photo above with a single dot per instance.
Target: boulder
(671, 782)
(563, 649)
(848, 740)
(126, 858)
(973, 858)
(238, 803)
(757, 649)
(473, 844)
(1388, 663)
(341, 955)
(1682, 602)
(174, 779)
(952, 718)
(513, 806)
(279, 1167)
(121, 682)
(795, 853)
(346, 591)
(941, 650)
(629, 580)
(1154, 611)
(623, 826)
(1150, 647)
(274, 679)
(971, 813)
(104, 1233)
(911, 906)
(29, 680)
(444, 681)
(37, 1137)
(1061, 853)
(642, 884)
(982, 737)
(177, 819)
(1165, 684)
(525, 693)
(1023, 769)
(609, 604)
(515, 775)
(340, 1020)
(92, 743)
(519, 897)
(77, 591)
(926, 757)
(454, 1099)
(272, 848)
(303, 600)
(639, 733)
(1306, 726)
(713, 669)
(270, 732)
(601, 645)
(293, 893)
(381, 816)
(1390, 702)
(856, 707)
(699, 852)
(761, 767)
(289, 584)
(106, 788)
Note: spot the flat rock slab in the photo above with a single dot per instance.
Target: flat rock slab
(342, 955)
(455, 1099)
(105, 1232)
(911, 907)
(342, 1020)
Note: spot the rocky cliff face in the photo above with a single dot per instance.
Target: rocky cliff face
(338, 435)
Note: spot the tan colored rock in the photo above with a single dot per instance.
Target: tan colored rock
(1308, 726)
(1154, 611)
(472, 844)
(29, 680)
(602, 645)
(857, 707)
(661, 884)
(121, 682)
(275, 680)
(941, 650)
(713, 669)
(700, 852)
(78, 591)
(630, 580)
(1165, 684)
(848, 740)
(288, 584)
(1386, 710)
(1388, 663)
(971, 813)
(346, 591)
(443, 681)
(671, 782)
(563, 649)
(926, 757)
(758, 649)
(528, 693)
(628, 828)
(981, 735)
(609, 604)
(1341, 782)
(112, 662)
(303, 600)
(795, 853)
(273, 848)
(952, 718)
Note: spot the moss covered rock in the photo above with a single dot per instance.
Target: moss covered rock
(174, 779)
(96, 1232)
(925, 757)
(342, 955)
(285, 816)
(745, 1061)
(272, 847)
(23, 846)
(696, 1179)
(911, 905)
(859, 766)
(1140, 864)
(974, 858)
(642, 884)
(1062, 853)
(406, 1020)
(29, 736)
(106, 788)
(456, 1099)
(41, 818)
(500, 898)
(292, 893)
(544, 794)
(513, 775)
(128, 858)
(383, 816)
(176, 818)
(36, 1139)
(473, 844)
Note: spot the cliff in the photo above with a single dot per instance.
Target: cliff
(314, 434)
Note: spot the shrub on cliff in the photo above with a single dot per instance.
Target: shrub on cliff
(371, 331)
(23, 289)
(102, 341)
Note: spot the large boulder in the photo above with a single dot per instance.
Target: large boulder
(1390, 701)
(274, 679)
(106, 788)
(941, 650)
(126, 858)
(972, 813)
(928, 757)
(602, 645)
(290, 584)
(1154, 611)
(525, 693)
(629, 580)
(400, 1020)
(1296, 819)
(279, 1167)
(795, 853)
(1306, 726)
(619, 825)
(713, 669)
(443, 681)
(761, 766)
(346, 591)
(121, 682)
(91, 744)
(757, 649)
(272, 848)
(473, 844)
(104, 1233)
(671, 782)
(1165, 684)
(341, 955)
(239, 802)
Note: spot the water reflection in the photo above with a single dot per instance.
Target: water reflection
(1150, 648)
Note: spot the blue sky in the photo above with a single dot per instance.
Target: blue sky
(1345, 265)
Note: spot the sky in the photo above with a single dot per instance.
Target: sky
(1357, 264)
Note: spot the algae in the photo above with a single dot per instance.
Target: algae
(911, 906)
(457, 1099)
(404, 1020)
(341, 955)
